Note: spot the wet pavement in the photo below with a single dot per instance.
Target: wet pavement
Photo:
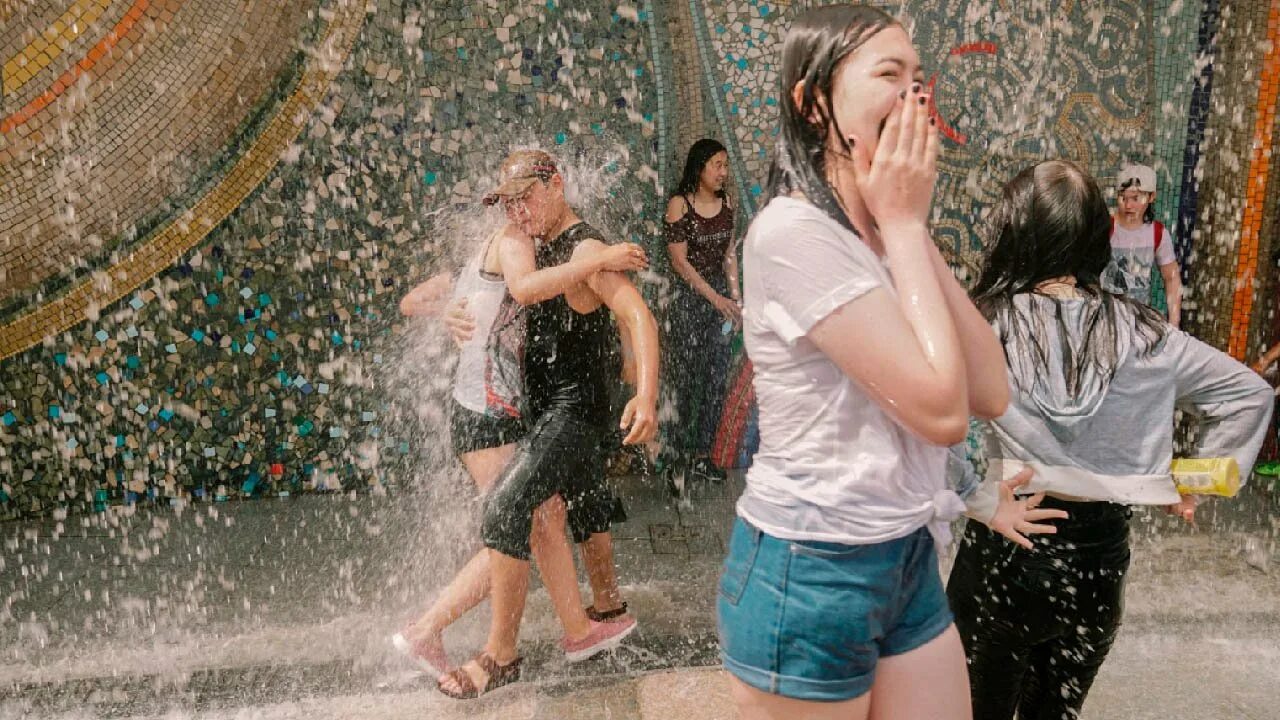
(281, 609)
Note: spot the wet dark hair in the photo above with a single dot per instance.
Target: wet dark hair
(817, 42)
(1052, 221)
(699, 155)
(1150, 215)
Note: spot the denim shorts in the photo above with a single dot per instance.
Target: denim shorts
(810, 620)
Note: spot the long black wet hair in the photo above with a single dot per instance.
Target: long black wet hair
(817, 42)
(1148, 216)
(699, 155)
(1051, 222)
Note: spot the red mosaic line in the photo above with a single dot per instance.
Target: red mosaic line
(69, 78)
(988, 48)
(944, 128)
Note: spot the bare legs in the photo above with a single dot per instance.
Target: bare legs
(550, 549)
(897, 692)
(510, 578)
(510, 585)
(597, 556)
(756, 704)
(471, 584)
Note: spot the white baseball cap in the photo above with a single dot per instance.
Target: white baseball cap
(1140, 177)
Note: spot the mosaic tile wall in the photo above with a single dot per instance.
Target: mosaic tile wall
(1227, 198)
(79, 174)
(1173, 71)
(1256, 265)
(1174, 55)
(204, 231)
(237, 341)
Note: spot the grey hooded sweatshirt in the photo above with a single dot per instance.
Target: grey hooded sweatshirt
(1102, 436)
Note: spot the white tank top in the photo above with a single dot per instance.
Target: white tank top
(484, 294)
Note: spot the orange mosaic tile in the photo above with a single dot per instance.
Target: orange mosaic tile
(68, 78)
(1259, 171)
(186, 230)
(49, 45)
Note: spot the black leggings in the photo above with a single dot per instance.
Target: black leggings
(1037, 625)
(561, 455)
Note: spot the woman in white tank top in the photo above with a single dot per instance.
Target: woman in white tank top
(483, 293)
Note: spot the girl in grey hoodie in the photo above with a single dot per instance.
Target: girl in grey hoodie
(1095, 380)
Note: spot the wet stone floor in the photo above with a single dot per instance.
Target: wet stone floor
(281, 609)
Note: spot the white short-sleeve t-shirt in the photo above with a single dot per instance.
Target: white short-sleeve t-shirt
(832, 466)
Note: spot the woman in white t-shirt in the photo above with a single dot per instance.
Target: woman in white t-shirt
(869, 358)
(1140, 243)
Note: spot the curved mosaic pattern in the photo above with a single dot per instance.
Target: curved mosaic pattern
(1193, 144)
(1175, 72)
(25, 64)
(726, 111)
(687, 92)
(1223, 168)
(40, 54)
(258, 358)
(231, 323)
(92, 179)
(740, 76)
(178, 236)
(661, 78)
(1044, 79)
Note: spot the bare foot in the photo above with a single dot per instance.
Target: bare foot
(426, 648)
(479, 676)
(451, 685)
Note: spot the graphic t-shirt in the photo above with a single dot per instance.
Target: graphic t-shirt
(504, 394)
(1134, 257)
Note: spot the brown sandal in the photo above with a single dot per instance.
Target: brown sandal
(498, 675)
(607, 615)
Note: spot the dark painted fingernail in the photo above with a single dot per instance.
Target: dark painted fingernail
(922, 101)
(903, 94)
(933, 121)
(916, 87)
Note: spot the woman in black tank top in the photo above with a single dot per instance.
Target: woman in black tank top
(703, 313)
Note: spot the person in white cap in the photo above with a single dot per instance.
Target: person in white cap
(567, 366)
(1139, 241)
(484, 426)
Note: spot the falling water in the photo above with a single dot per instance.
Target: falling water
(233, 527)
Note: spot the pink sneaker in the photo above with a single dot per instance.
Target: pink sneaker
(603, 636)
(430, 657)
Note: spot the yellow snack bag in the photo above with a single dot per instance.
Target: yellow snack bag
(1206, 476)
